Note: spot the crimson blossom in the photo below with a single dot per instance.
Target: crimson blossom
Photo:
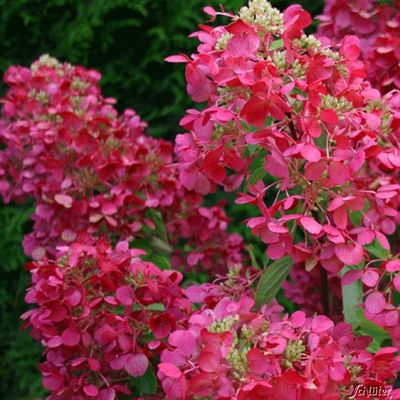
(377, 25)
(228, 351)
(316, 144)
(92, 170)
(110, 321)
(101, 314)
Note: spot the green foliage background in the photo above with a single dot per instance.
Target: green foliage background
(126, 40)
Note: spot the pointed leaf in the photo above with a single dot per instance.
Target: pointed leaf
(352, 298)
(146, 384)
(272, 279)
(378, 334)
(377, 250)
(257, 176)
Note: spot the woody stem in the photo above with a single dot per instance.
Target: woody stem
(324, 291)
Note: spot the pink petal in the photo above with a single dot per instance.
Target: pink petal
(137, 365)
(349, 254)
(396, 282)
(375, 303)
(392, 318)
(351, 276)
(170, 370)
(339, 173)
(298, 318)
(55, 341)
(210, 11)
(321, 323)
(91, 390)
(370, 278)
(277, 228)
(119, 362)
(179, 58)
(108, 208)
(336, 203)
(125, 295)
(393, 266)
(38, 253)
(373, 121)
(311, 225)
(310, 153)
(70, 337)
(107, 394)
(68, 235)
(63, 200)
(351, 47)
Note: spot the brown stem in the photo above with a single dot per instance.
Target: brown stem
(324, 291)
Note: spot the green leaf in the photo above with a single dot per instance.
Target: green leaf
(158, 221)
(161, 245)
(377, 250)
(276, 44)
(356, 217)
(352, 298)
(354, 314)
(160, 260)
(155, 307)
(296, 90)
(269, 121)
(253, 257)
(378, 334)
(259, 159)
(146, 384)
(251, 149)
(256, 176)
(271, 280)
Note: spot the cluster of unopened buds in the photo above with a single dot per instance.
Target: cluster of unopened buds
(91, 170)
(292, 124)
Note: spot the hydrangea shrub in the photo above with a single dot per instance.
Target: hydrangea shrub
(317, 144)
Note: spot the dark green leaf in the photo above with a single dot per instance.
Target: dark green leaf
(160, 260)
(378, 334)
(253, 257)
(377, 250)
(257, 176)
(356, 217)
(146, 384)
(272, 279)
(296, 90)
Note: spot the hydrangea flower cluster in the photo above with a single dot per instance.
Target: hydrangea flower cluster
(377, 25)
(96, 309)
(317, 145)
(92, 170)
(228, 351)
(106, 318)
